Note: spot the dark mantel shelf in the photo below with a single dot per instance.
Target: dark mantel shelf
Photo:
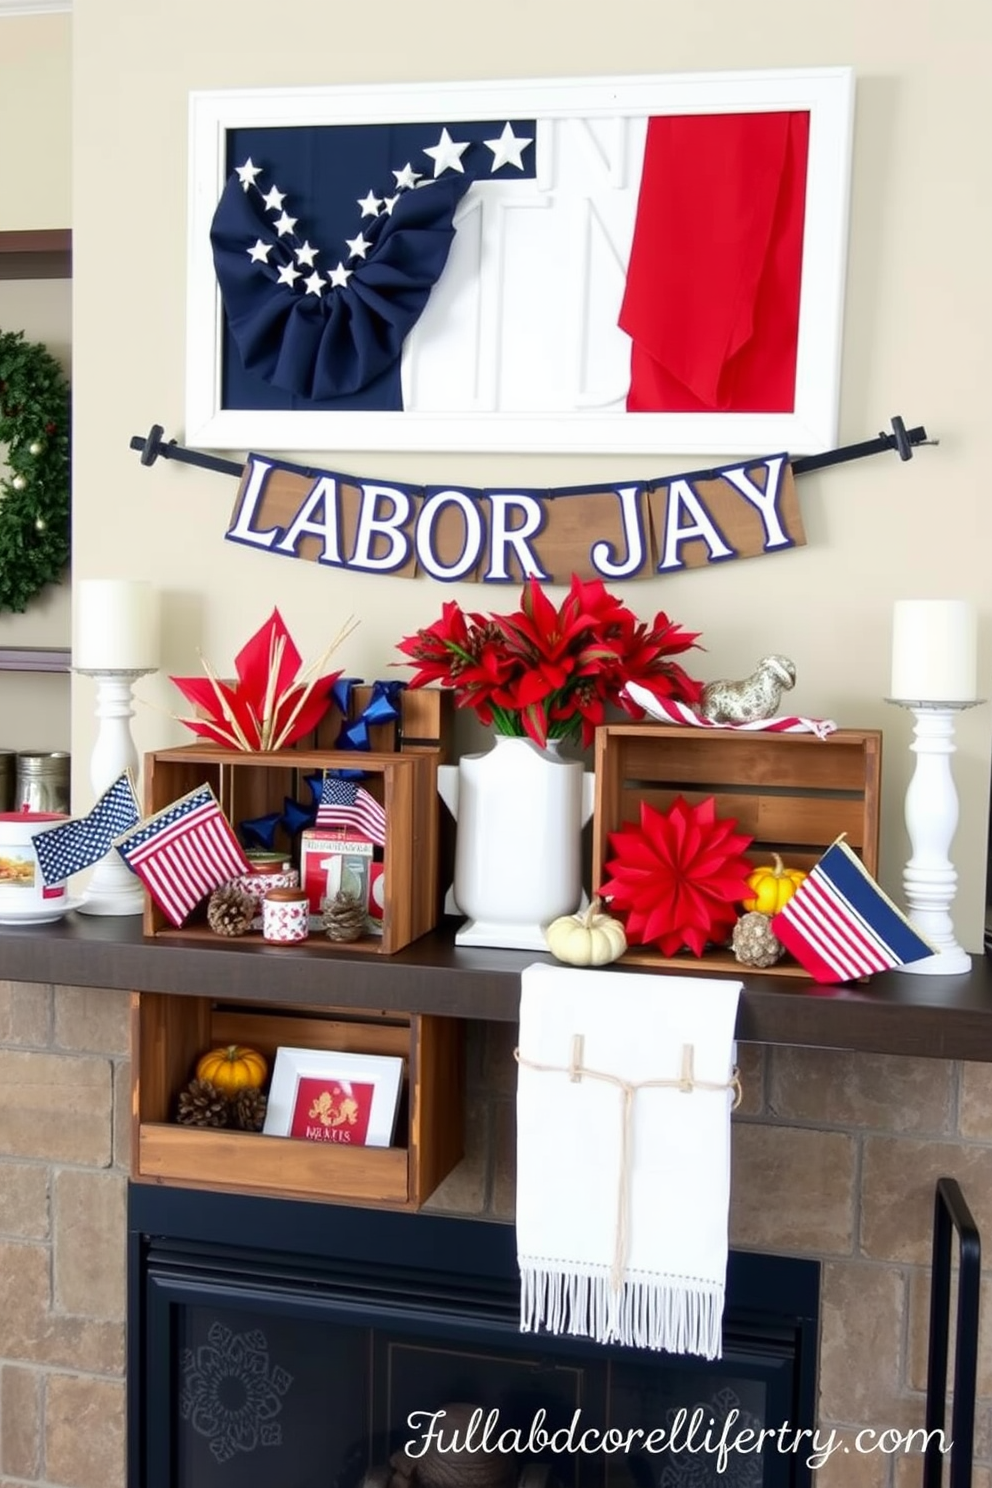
(941, 1017)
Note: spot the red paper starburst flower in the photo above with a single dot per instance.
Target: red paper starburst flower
(272, 704)
(678, 876)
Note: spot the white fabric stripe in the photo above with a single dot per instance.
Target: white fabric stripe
(845, 936)
(868, 929)
(818, 935)
(855, 929)
(669, 710)
(183, 824)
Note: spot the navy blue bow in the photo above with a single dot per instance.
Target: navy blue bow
(382, 707)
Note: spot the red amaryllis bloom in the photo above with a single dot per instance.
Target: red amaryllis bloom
(678, 876)
(271, 705)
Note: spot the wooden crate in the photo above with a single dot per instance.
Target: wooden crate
(253, 785)
(169, 1033)
(793, 793)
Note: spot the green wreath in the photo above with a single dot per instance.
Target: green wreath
(34, 494)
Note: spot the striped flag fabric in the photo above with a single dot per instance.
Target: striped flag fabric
(670, 710)
(184, 852)
(83, 841)
(347, 805)
(839, 924)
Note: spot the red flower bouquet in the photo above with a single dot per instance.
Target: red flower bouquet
(549, 673)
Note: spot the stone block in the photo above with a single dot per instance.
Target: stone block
(881, 1092)
(55, 1107)
(122, 1114)
(897, 1193)
(92, 1020)
(31, 1333)
(751, 1064)
(792, 1189)
(464, 1189)
(975, 1108)
(20, 1415)
(850, 1468)
(24, 1201)
(862, 1312)
(89, 1227)
(25, 1014)
(919, 1330)
(84, 1431)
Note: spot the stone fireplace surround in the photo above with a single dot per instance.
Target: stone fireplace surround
(836, 1154)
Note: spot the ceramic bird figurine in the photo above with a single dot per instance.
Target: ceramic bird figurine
(753, 698)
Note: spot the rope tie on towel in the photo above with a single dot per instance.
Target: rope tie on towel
(686, 1083)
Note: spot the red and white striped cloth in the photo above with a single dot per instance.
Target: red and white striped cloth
(667, 710)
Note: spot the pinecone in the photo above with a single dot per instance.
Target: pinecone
(231, 910)
(344, 917)
(202, 1104)
(247, 1109)
(753, 941)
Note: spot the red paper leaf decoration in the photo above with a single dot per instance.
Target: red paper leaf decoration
(678, 877)
(271, 706)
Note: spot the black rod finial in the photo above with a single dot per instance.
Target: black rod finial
(150, 446)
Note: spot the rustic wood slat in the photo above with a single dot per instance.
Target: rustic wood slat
(246, 1162)
(794, 820)
(267, 1032)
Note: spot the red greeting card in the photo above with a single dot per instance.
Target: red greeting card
(332, 1111)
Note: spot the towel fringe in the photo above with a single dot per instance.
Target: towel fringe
(677, 1314)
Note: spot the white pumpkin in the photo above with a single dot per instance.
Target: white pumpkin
(589, 938)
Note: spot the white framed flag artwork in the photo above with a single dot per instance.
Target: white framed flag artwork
(639, 264)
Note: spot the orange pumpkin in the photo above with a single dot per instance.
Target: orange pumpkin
(233, 1068)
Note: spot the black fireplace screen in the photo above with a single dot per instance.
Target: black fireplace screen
(361, 1349)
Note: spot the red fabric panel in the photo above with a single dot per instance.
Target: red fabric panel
(712, 297)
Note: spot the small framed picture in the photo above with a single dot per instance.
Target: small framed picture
(319, 1095)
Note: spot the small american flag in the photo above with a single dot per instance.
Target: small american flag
(184, 852)
(839, 924)
(343, 803)
(79, 843)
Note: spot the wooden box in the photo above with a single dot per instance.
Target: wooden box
(253, 785)
(168, 1035)
(793, 793)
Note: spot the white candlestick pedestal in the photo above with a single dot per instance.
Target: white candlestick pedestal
(931, 812)
(113, 888)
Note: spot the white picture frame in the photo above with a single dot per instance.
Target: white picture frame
(384, 1072)
(827, 94)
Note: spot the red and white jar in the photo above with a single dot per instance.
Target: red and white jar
(285, 916)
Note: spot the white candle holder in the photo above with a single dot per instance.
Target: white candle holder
(113, 888)
(931, 813)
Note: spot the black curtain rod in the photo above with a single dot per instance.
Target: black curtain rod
(901, 439)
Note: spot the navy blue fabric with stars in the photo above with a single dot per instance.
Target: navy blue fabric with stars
(326, 249)
(77, 844)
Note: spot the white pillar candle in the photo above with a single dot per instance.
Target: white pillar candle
(934, 651)
(116, 626)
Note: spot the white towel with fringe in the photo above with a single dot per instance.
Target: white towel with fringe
(625, 1086)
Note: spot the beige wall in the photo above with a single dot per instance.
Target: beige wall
(35, 139)
(916, 336)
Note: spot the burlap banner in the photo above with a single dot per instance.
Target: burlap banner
(628, 530)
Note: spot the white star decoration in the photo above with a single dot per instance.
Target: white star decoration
(508, 149)
(358, 247)
(447, 154)
(287, 275)
(370, 204)
(314, 284)
(306, 255)
(248, 172)
(339, 277)
(285, 224)
(390, 203)
(260, 252)
(274, 199)
(406, 178)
